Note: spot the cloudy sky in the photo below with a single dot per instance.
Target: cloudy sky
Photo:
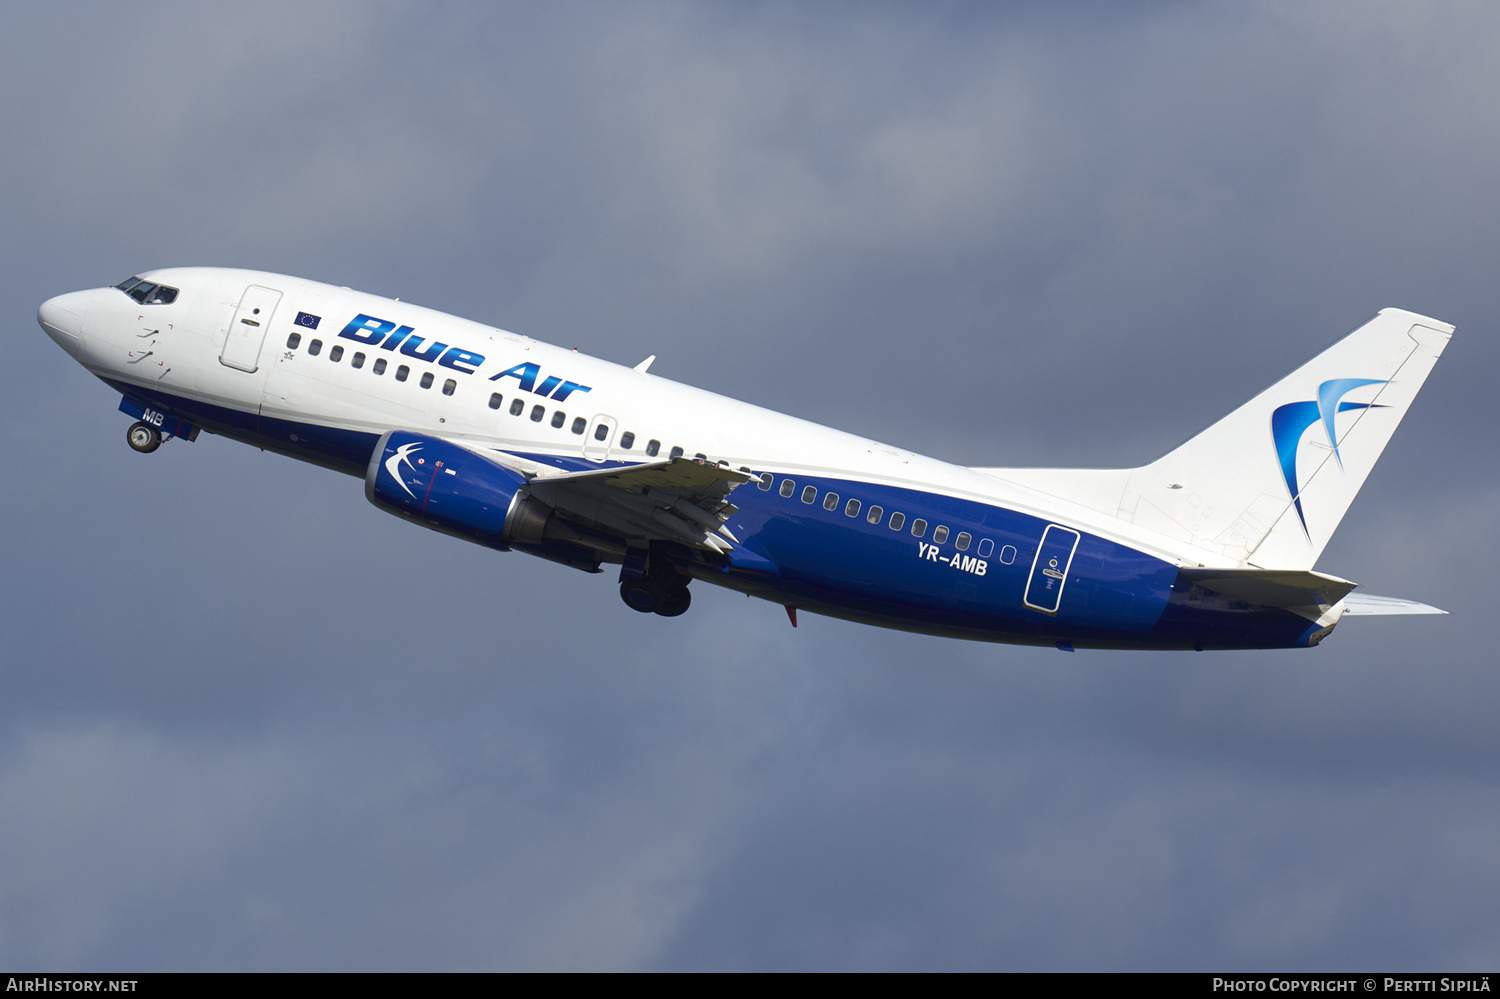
(249, 721)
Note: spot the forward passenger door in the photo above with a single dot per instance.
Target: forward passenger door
(248, 327)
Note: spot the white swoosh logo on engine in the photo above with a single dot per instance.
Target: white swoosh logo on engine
(393, 465)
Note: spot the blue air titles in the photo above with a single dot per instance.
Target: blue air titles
(386, 335)
(552, 386)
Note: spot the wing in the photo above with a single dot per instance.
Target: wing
(682, 499)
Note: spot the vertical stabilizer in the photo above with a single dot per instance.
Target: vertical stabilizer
(1267, 485)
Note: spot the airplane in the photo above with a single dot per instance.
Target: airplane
(501, 440)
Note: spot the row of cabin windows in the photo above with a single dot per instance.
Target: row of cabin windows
(517, 406)
(601, 432)
(876, 515)
(336, 354)
(653, 447)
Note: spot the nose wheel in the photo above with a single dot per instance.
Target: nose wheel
(143, 437)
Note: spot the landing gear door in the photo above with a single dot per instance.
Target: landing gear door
(601, 434)
(248, 326)
(1049, 571)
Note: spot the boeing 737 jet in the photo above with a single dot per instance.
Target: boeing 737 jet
(517, 445)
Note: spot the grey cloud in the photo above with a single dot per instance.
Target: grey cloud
(252, 722)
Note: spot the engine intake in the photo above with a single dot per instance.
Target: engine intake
(448, 488)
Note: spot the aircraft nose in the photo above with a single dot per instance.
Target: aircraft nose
(63, 316)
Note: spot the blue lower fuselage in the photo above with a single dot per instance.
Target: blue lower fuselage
(1014, 580)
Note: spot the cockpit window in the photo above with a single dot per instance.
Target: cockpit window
(147, 293)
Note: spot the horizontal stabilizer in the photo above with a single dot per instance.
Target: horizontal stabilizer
(1369, 605)
(1274, 587)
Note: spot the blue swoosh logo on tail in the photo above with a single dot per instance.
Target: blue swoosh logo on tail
(1290, 421)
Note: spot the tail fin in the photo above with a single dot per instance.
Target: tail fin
(1268, 484)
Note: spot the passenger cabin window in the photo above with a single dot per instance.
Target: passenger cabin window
(294, 341)
(676, 453)
(962, 541)
(986, 548)
(788, 487)
(147, 293)
(1007, 554)
(495, 400)
(809, 493)
(851, 508)
(448, 386)
(427, 379)
(516, 405)
(765, 481)
(358, 360)
(874, 515)
(379, 366)
(336, 353)
(897, 519)
(315, 347)
(579, 425)
(830, 501)
(558, 419)
(939, 534)
(537, 412)
(653, 448)
(402, 372)
(918, 527)
(627, 440)
(601, 431)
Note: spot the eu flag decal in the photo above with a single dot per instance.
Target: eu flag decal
(308, 319)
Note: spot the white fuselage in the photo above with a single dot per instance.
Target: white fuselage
(113, 337)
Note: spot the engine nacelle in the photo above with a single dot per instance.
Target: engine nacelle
(448, 488)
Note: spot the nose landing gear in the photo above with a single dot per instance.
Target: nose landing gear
(143, 437)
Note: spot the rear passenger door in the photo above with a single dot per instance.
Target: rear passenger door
(1049, 570)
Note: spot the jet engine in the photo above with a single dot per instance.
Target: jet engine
(448, 488)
